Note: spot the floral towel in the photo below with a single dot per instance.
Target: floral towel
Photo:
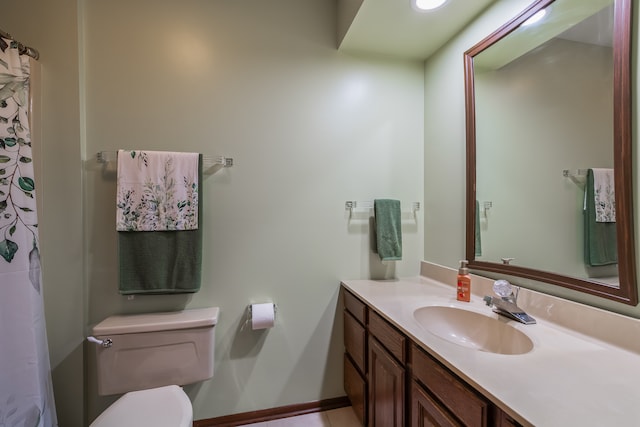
(604, 195)
(157, 191)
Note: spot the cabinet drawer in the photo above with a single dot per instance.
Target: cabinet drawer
(426, 412)
(468, 407)
(388, 335)
(356, 389)
(354, 306)
(506, 421)
(355, 340)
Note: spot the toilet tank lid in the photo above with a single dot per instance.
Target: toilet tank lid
(152, 322)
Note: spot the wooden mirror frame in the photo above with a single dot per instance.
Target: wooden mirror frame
(627, 293)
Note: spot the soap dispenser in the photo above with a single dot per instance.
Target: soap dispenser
(464, 282)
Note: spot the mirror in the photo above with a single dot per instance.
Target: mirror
(547, 102)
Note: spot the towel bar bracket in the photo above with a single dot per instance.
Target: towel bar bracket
(578, 177)
(225, 161)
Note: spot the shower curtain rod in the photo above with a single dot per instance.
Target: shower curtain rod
(24, 50)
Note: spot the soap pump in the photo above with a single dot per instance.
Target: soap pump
(464, 282)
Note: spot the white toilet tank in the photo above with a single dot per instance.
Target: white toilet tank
(155, 350)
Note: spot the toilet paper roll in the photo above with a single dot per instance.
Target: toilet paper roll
(262, 316)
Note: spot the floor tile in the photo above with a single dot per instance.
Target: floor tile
(343, 417)
(317, 419)
(262, 424)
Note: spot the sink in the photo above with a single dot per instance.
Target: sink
(473, 330)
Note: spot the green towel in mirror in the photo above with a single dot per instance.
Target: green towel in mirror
(478, 239)
(600, 242)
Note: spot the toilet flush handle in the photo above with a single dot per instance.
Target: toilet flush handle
(106, 343)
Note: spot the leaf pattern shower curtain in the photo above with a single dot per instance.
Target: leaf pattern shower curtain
(26, 393)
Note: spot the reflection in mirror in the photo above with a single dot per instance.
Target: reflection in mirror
(567, 82)
(548, 133)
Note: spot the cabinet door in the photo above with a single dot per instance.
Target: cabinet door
(355, 341)
(356, 389)
(386, 388)
(426, 412)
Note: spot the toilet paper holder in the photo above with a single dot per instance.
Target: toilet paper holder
(250, 312)
(249, 319)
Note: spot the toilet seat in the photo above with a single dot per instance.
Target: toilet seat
(166, 406)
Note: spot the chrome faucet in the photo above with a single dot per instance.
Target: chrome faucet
(507, 305)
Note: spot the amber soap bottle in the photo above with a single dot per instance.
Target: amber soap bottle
(464, 282)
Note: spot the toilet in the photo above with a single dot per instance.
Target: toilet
(148, 357)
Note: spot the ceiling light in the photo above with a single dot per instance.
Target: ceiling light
(428, 4)
(535, 18)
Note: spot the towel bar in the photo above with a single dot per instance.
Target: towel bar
(350, 205)
(207, 161)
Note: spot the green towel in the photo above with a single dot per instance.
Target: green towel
(162, 262)
(388, 229)
(600, 243)
(478, 242)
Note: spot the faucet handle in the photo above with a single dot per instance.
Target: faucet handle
(503, 288)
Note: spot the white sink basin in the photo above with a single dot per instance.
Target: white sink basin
(473, 330)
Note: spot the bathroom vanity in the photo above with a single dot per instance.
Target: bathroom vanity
(399, 369)
(406, 385)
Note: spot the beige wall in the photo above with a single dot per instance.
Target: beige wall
(308, 127)
(445, 149)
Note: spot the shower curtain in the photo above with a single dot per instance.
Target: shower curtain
(26, 393)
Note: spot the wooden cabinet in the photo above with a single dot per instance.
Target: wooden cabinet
(427, 412)
(505, 420)
(386, 388)
(357, 308)
(448, 392)
(355, 338)
(392, 339)
(355, 362)
(374, 371)
(356, 389)
(386, 374)
(393, 382)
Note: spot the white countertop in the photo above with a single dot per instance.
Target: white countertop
(568, 379)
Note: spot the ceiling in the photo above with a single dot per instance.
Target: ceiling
(394, 28)
(577, 20)
(596, 29)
